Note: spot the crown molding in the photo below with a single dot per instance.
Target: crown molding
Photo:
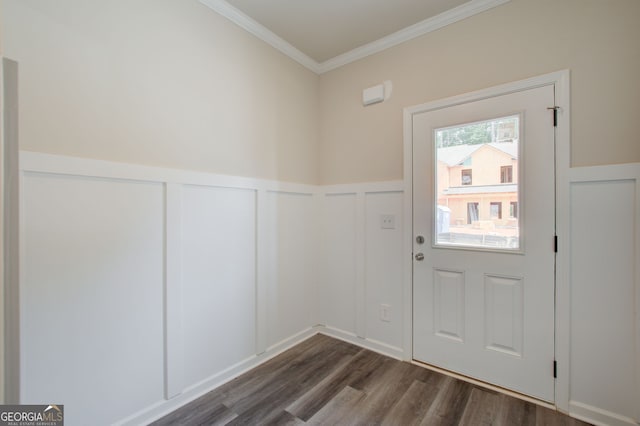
(449, 17)
(260, 31)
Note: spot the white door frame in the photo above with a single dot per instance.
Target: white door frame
(9, 214)
(560, 80)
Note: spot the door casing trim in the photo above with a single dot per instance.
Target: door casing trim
(561, 82)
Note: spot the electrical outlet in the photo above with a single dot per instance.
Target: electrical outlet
(387, 221)
(385, 313)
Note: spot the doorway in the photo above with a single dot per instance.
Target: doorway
(483, 210)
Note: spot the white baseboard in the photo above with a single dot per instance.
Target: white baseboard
(598, 416)
(192, 393)
(371, 344)
(578, 410)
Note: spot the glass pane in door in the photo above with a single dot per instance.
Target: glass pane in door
(477, 192)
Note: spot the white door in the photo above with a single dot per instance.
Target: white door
(484, 232)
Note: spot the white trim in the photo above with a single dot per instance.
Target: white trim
(262, 272)
(371, 344)
(598, 416)
(612, 172)
(20, 300)
(291, 341)
(563, 257)
(2, 231)
(449, 17)
(64, 165)
(10, 215)
(361, 278)
(173, 180)
(560, 80)
(407, 281)
(557, 77)
(173, 345)
(317, 272)
(160, 409)
(364, 187)
(360, 191)
(250, 25)
(608, 173)
(175, 393)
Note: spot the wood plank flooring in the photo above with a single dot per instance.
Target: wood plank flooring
(325, 381)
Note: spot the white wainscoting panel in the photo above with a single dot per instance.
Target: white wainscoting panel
(151, 286)
(605, 294)
(338, 286)
(383, 268)
(218, 279)
(363, 265)
(91, 295)
(143, 288)
(292, 264)
(174, 380)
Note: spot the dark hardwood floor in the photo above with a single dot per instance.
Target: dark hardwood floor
(325, 381)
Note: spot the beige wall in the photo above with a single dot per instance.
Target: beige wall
(596, 39)
(160, 82)
(171, 83)
(1, 29)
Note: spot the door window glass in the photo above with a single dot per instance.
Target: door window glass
(476, 174)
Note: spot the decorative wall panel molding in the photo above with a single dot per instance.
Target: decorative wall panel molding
(605, 294)
(182, 280)
(162, 282)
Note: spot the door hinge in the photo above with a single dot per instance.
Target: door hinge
(555, 369)
(555, 243)
(555, 115)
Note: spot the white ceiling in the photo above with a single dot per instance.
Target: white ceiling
(323, 29)
(326, 34)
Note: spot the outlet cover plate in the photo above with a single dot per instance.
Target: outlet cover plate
(388, 221)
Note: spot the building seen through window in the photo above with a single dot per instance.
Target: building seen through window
(477, 184)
